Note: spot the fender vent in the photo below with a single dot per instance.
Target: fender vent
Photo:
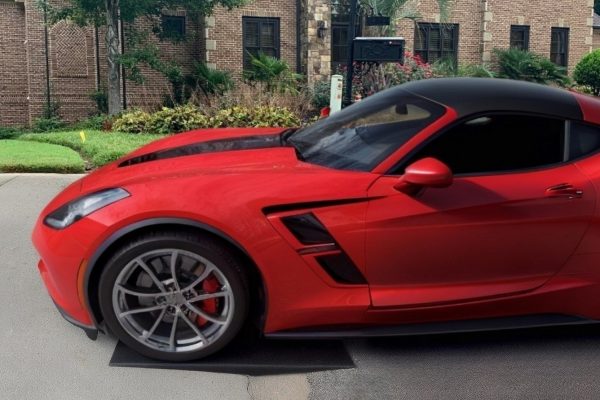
(341, 268)
(307, 229)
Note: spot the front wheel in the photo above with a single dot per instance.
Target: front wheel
(174, 296)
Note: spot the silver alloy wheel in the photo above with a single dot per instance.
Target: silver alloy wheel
(158, 299)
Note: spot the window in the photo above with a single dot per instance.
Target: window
(173, 26)
(498, 143)
(261, 35)
(583, 140)
(360, 137)
(519, 37)
(559, 46)
(436, 42)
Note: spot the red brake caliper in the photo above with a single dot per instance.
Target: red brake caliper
(210, 285)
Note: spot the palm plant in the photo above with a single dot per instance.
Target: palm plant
(274, 73)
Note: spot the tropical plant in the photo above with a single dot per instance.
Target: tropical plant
(210, 81)
(274, 73)
(587, 72)
(448, 68)
(527, 66)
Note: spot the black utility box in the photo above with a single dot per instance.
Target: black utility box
(374, 49)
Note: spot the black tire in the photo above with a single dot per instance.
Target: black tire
(202, 245)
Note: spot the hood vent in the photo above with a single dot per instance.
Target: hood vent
(214, 146)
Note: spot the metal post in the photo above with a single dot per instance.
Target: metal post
(350, 63)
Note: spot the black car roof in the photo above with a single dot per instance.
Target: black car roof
(475, 95)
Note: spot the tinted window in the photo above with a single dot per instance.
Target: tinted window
(559, 46)
(436, 42)
(363, 135)
(584, 140)
(498, 143)
(260, 35)
(173, 26)
(519, 37)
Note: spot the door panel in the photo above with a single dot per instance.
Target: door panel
(484, 236)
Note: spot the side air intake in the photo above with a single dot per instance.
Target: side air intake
(322, 246)
(307, 229)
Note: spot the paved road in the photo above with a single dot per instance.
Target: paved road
(43, 357)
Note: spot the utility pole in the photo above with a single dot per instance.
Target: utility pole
(350, 63)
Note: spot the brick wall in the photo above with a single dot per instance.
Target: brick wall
(467, 13)
(14, 107)
(224, 33)
(151, 93)
(541, 17)
(485, 24)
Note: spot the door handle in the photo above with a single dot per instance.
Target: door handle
(564, 190)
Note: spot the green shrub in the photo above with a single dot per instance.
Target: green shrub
(266, 116)
(209, 80)
(321, 94)
(263, 116)
(136, 121)
(233, 117)
(9, 133)
(100, 97)
(587, 72)
(48, 124)
(96, 123)
(448, 68)
(176, 120)
(274, 73)
(527, 66)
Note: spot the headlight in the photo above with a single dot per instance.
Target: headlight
(83, 206)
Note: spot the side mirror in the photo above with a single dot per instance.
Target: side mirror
(428, 172)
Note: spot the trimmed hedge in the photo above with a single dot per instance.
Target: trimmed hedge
(189, 117)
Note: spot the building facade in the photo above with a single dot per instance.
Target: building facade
(66, 63)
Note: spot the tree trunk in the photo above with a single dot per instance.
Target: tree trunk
(113, 50)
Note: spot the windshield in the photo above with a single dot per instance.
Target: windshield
(360, 137)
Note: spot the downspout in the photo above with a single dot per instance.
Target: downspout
(299, 36)
(124, 77)
(97, 49)
(47, 48)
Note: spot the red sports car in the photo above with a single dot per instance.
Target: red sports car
(439, 205)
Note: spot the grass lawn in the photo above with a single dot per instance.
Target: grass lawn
(19, 156)
(100, 148)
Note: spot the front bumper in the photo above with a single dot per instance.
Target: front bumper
(90, 331)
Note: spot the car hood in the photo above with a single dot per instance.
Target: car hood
(204, 152)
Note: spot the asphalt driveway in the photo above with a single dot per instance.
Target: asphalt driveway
(44, 357)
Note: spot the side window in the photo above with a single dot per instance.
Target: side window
(583, 140)
(500, 143)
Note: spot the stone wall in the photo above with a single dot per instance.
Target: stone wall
(316, 51)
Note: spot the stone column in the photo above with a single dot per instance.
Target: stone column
(316, 52)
